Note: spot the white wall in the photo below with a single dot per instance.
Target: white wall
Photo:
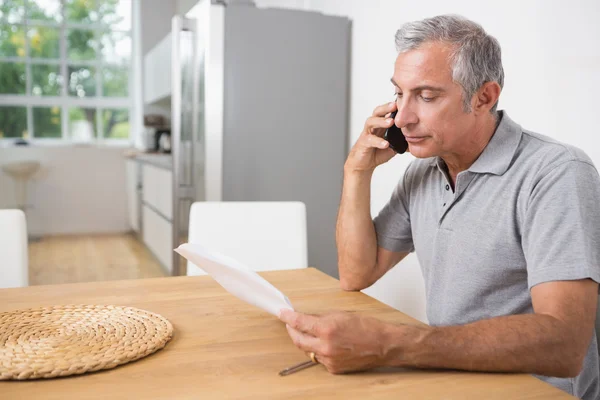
(551, 57)
(77, 190)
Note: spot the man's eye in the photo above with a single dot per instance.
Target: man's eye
(397, 94)
(427, 99)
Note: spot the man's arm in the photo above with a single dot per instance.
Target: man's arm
(553, 341)
(360, 261)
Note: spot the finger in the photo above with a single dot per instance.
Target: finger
(303, 322)
(285, 314)
(376, 126)
(384, 109)
(378, 123)
(376, 141)
(304, 341)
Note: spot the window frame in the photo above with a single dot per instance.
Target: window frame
(65, 100)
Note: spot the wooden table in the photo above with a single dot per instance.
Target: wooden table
(225, 348)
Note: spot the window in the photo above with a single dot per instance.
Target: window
(64, 69)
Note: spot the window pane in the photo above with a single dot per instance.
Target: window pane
(12, 11)
(83, 11)
(116, 14)
(46, 80)
(116, 123)
(82, 124)
(46, 122)
(44, 42)
(44, 10)
(82, 81)
(12, 40)
(14, 122)
(81, 45)
(116, 47)
(115, 81)
(12, 78)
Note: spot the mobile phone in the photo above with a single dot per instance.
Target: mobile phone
(396, 138)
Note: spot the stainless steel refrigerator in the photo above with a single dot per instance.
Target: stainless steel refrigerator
(260, 101)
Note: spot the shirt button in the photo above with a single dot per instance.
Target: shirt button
(447, 187)
(444, 204)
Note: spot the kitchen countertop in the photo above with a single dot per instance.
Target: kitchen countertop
(160, 160)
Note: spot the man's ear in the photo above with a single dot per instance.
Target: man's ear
(486, 97)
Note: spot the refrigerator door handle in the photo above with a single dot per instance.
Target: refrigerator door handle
(176, 110)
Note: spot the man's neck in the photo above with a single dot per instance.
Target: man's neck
(458, 162)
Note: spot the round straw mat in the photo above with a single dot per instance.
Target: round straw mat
(67, 340)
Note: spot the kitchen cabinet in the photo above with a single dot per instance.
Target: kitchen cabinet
(157, 190)
(133, 186)
(149, 186)
(157, 72)
(157, 212)
(157, 233)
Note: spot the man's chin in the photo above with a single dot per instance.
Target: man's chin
(420, 151)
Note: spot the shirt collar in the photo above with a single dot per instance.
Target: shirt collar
(500, 150)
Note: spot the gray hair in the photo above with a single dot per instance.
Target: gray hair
(476, 58)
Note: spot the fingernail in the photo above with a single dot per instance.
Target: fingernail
(388, 121)
(391, 103)
(383, 144)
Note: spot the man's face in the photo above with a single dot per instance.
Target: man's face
(430, 105)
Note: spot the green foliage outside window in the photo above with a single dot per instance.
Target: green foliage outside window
(97, 63)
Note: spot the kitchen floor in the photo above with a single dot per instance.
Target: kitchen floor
(69, 259)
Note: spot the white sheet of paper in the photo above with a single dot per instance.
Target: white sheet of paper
(236, 278)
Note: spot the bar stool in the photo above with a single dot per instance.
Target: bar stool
(21, 172)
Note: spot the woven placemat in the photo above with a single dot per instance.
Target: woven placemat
(67, 340)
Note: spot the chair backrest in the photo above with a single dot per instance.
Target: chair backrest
(14, 269)
(265, 236)
(598, 325)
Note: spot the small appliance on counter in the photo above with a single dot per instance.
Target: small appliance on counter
(163, 140)
(155, 127)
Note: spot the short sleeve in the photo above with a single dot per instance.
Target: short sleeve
(561, 230)
(392, 224)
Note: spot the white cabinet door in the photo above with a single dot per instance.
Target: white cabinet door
(157, 211)
(157, 188)
(157, 234)
(157, 72)
(131, 170)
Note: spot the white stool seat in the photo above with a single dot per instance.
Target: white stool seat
(21, 169)
(21, 172)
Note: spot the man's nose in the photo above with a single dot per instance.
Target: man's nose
(405, 116)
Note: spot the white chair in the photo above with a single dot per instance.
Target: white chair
(265, 236)
(402, 288)
(14, 271)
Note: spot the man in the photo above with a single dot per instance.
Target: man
(505, 224)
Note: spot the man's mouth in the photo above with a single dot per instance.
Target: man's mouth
(415, 139)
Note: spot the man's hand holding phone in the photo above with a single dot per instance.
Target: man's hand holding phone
(371, 150)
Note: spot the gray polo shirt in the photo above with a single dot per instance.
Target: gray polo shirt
(526, 212)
